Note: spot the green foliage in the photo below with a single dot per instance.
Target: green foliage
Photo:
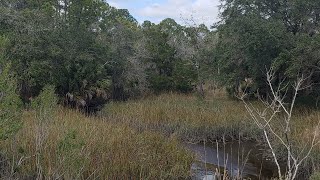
(62, 49)
(257, 35)
(10, 104)
(87, 48)
(161, 83)
(184, 77)
(167, 71)
(46, 100)
(45, 103)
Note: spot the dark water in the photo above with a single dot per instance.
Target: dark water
(243, 160)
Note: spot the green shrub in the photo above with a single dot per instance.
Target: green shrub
(161, 83)
(10, 104)
(45, 103)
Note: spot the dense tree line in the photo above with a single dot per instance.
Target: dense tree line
(92, 52)
(255, 35)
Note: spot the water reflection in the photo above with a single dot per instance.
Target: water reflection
(243, 160)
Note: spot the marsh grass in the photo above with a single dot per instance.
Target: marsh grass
(79, 147)
(186, 117)
(137, 139)
(213, 118)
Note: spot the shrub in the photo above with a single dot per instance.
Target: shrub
(10, 104)
(45, 103)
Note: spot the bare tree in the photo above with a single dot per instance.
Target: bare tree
(275, 120)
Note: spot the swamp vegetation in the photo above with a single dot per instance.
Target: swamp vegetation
(143, 139)
(88, 92)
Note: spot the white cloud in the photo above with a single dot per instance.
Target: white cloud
(201, 11)
(114, 4)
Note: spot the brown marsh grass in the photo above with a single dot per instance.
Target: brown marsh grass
(214, 118)
(79, 147)
(138, 139)
(186, 116)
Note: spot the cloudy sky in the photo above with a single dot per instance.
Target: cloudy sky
(202, 11)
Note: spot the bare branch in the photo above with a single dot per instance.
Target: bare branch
(264, 118)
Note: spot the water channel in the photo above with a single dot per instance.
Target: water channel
(245, 160)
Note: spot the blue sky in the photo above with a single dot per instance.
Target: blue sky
(202, 11)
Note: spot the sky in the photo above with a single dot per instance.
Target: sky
(201, 11)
